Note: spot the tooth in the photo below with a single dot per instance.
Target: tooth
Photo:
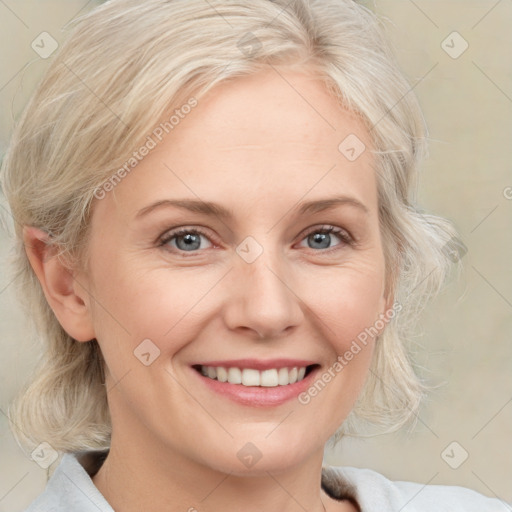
(250, 377)
(283, 377)
(234, 376)
(222, 374)
(269, 378)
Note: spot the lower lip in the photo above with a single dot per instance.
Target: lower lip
(258, 396)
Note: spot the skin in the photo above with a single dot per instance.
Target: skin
(259, 148)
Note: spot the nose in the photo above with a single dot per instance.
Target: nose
(263, 300)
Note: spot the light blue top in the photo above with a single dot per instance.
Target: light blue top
(71, 489)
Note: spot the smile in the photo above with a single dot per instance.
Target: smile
(271, 377)
(257, 382)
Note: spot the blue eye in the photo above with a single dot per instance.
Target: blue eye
(321, 238)
(191, 239)
(188, 240)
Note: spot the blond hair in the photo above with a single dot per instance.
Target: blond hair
(125, 65)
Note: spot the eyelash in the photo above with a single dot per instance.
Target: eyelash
(343, 235)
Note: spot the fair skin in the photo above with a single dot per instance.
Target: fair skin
(257, 148)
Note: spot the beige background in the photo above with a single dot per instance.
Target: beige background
(465, 338)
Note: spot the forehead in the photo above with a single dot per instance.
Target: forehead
(273, 108)
(279, 133)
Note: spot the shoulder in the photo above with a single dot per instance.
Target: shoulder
(70, 488)
(374, 492)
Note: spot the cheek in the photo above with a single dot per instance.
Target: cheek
(160, 304)
(345, 304)
(346, 300)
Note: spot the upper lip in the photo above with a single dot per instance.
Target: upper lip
(258, 364)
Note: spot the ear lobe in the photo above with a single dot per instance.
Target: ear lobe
(68, 300)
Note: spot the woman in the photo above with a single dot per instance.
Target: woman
(217, 235)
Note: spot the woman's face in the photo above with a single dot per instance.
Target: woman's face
(253, 179)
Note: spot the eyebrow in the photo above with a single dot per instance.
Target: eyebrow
(213, 209)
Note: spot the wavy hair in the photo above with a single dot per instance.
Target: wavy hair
(126, 64)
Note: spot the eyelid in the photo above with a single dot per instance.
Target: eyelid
(345, 237)
(327, 227)
(169, 234)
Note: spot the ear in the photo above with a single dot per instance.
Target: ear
(390, 307)
(389, 291)
(68, 300)
(389, 301)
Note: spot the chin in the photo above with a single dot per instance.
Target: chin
(257, 454)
